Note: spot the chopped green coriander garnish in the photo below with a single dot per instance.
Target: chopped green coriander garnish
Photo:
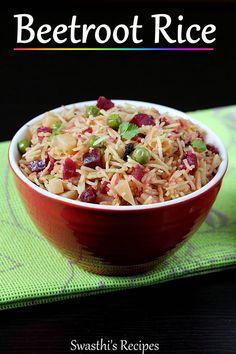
(128, 130)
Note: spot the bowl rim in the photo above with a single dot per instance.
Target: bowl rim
(76, 203)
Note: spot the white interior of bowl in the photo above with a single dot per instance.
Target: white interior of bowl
(211, 138)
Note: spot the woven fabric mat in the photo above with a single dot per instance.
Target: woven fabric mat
(33, 272)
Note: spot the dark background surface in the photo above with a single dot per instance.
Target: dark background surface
(33, 82)
(195, 315)
(191, 316)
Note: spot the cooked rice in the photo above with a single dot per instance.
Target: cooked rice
(168, 174)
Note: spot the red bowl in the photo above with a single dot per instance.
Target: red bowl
(117, 240)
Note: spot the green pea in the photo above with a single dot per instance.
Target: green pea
(92, 111)
(92, 142)
(23, 145)
(141, 155)
(114, 121)
(56, 127)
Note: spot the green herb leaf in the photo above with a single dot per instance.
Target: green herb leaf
(199, 145)
(128, 130)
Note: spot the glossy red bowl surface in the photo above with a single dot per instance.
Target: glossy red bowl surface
(117, 240)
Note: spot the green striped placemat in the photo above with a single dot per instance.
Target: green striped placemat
(33, 272)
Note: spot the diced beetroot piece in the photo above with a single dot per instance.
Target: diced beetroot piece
(88, 195)
(199, 136)
(165, 120)
(104, 187)
(75, 179)
(212, 148)
(124, 203)
(192, 161)
(37, 165)
(69, 168)
(103, 163)
(44, 130)
(52, 160)
(182, 124)
(92, 158)
(138, 138)
(104, 103)
(138, 172)
(88, 130)
(142, 119)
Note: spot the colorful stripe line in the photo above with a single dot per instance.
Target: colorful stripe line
(104, 49)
